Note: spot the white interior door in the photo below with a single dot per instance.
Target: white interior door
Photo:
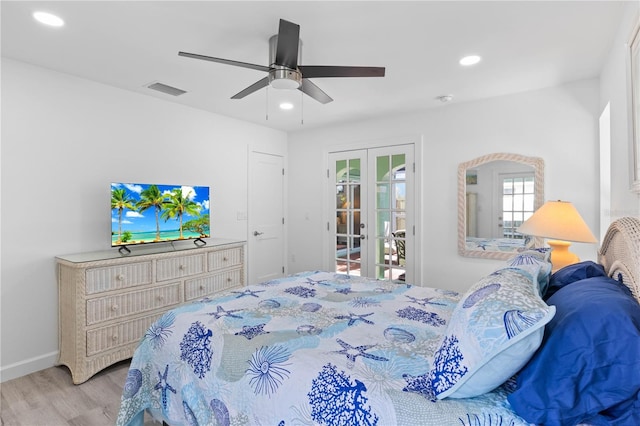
(372, 233)
(266, 218)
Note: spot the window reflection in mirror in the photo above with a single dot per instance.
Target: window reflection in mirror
(496, 193)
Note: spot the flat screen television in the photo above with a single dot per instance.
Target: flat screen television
(151, 213)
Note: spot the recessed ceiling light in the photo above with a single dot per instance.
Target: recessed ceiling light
(48, 19)
(286, 105)
(470, 60)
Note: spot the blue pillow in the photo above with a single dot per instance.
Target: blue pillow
(588, 366)
(568, 274)
(493, 331)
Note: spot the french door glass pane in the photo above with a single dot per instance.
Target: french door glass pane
(348, 216)
(390, 216)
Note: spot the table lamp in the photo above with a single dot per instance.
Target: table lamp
(560, 222)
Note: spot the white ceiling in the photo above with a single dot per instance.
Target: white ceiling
(129, 44)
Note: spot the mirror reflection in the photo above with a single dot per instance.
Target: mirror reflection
(496, 194)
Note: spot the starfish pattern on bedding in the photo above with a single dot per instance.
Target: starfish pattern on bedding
(355, 317)
(247, 292)
(220, 312)
(353, 352)
(163, 386)
(314, 282)
(425, 301)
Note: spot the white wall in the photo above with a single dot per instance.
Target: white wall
(558, 124)
(64, 140)
(614, 90)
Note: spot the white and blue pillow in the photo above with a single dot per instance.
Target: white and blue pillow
(492, 333)
(530, 260)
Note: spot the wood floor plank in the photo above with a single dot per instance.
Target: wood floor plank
(49, 398)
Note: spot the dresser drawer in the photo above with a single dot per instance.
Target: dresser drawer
(120, 305)
(177, 267)
(99, 280)
(225, 258)
(201, 287)
(124, 333)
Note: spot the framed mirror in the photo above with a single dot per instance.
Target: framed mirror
(496, 193)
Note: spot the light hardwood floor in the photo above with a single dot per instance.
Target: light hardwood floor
(48, 397)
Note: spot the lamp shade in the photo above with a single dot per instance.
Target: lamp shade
(558, 220)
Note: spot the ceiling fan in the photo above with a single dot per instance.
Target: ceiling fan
(285, 72)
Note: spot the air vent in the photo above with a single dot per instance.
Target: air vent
(169, 90)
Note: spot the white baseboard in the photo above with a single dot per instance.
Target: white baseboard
(28, 366)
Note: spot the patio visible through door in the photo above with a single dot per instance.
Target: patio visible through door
(373, 227)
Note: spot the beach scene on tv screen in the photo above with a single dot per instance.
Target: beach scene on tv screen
(151, 213)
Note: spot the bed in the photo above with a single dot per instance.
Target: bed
(323, 348)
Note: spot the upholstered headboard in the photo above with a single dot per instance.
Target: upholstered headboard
(620, 252)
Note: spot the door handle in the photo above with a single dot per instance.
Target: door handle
(256, 233)
(362, 236)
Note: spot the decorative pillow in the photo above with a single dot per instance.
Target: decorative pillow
(588, 368)
(530, 260)
(492, 333)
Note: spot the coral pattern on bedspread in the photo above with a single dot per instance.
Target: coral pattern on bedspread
(313, 348)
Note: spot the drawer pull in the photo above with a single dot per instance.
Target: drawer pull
(201, 287)
(181, 267)
(114, 337)
(160, 298)
(224, 259)
(114, 308)
(229, 279)
(120, 277)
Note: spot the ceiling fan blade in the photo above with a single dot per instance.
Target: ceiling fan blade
(318, 71)
(225, 61)
(254, 87)
(314, 91)
(288, 42)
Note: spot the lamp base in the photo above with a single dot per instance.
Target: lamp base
(560, 254)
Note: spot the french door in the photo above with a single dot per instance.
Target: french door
(371, 230)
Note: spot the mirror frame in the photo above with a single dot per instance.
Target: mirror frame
(538, 166)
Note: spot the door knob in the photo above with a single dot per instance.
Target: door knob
(256, 233)
(362, 236)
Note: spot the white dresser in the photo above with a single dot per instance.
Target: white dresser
(107, 300)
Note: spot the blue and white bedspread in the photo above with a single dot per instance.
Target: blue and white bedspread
(313, 348)
(496, 244)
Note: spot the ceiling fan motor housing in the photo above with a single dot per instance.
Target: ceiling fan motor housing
(281, 77)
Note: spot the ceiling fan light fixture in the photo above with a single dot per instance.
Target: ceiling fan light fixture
(286, 106)
(285, 79)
